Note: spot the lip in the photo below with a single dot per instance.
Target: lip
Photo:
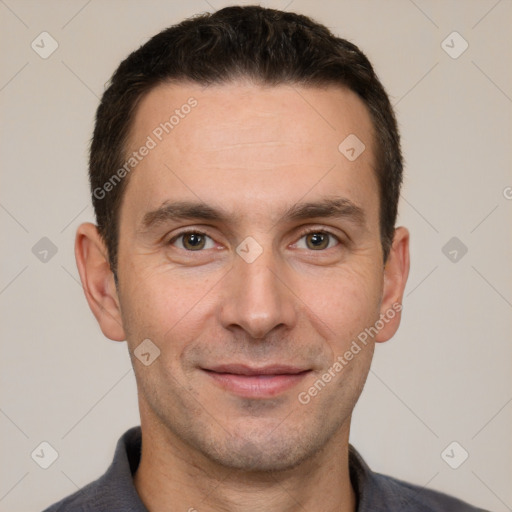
(251, 382)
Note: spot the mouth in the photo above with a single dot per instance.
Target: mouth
(252, 382)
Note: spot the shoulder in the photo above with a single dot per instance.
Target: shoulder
(84, 500)
(398, 495)
(382, 493)
(114, 491)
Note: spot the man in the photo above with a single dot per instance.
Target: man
(245, 172)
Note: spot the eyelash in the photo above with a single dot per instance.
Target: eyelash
(301, 235)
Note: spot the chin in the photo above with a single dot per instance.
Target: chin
(252, 457)
(264, 450)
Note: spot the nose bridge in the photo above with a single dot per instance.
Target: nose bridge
(256, 299)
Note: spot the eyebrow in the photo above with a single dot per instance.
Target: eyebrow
(336, 208)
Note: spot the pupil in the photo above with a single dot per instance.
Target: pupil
(317, 239)
(194, 240)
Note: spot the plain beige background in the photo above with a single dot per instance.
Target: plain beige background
(446, 376)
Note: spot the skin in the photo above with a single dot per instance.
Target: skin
(254, 151)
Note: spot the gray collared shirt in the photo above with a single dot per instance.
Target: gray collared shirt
(115, 491)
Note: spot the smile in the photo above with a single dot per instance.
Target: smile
(256, 383)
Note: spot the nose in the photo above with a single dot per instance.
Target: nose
(256, 297)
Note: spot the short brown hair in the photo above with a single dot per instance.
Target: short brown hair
(266, 45)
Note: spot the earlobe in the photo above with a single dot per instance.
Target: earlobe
(396, 272)
(98, 281)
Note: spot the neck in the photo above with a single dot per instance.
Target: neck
(172, 473)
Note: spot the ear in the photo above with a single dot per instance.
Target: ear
(98, 281)
(396, 272)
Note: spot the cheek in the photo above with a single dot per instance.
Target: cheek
(349, 299)
(166, 309)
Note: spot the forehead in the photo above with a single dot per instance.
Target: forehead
(249, 145)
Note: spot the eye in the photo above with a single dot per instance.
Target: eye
(318, 240)
(192, 241)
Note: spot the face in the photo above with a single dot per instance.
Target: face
(250, 256)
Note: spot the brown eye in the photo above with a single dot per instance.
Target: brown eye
(317, 241)
(192, 241)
